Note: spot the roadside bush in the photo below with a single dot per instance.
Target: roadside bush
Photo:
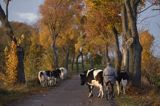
(11, 59)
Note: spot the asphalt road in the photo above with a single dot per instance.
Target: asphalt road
(67, 93)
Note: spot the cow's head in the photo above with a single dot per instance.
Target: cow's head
(83, 78)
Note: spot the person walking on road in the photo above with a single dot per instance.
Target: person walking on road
(109, 77)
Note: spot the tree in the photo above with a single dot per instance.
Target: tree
(101, 16)
(39, 57)
(66, 42)
(56, 15)
(19, 50)
(129, 11)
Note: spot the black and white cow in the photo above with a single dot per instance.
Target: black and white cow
(93, 78)
(121, 81)
(56, 74)
(46, 79)
(49, 78)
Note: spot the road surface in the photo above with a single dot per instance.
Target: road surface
(67, 93)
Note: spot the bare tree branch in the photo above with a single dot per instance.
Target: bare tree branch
(146, 8)
(6, 25)
(7, 4)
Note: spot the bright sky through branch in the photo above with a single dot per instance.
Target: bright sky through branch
(24, 10)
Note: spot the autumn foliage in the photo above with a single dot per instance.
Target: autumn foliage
(150, 64)
(11, 65)
(146, 40)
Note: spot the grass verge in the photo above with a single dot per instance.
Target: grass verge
(140, 97)
(11, 94)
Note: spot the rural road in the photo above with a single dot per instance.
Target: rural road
(68, 93)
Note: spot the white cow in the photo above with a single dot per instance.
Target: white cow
(63, 74)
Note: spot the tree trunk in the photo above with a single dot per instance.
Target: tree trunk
(124, 24)
(91, 61)
(136, 49)
(137, 64)
(107, 55)
(72, 64)
(118, 55)
(131, 62)
(125, 51)
(77, 63)
(82, 61)
(21, 74)
(55, 56)
(67, 58)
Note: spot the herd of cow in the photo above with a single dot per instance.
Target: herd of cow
(50, 78)
(92, 78)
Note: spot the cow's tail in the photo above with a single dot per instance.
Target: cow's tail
(41, 76)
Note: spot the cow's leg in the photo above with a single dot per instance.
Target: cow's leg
(90, 91)
(118, 87)
(42, 83)
(100, 91)
(55, 81)
(51, 82)
(48, 82)
(124, 91)
(112, 91)
(124, 84)
(45, 82)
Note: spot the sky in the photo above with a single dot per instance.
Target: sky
(28, 11)
(24, 10)
(153, 25)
